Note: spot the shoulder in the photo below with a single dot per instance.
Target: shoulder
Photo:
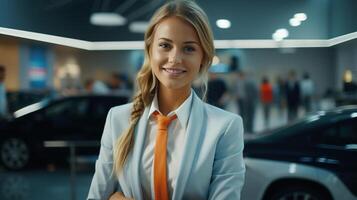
(118, 120)
(220, 116)
(224, 127)
(120, 113)
(125, 108)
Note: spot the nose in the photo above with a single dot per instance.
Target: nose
(175, 56)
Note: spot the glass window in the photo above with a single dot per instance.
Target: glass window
(339, 133)
(71, 108)
(101, 108)
(348, 132)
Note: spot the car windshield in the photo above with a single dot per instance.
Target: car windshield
(31, 108)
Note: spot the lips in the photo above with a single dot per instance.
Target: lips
(174, 71)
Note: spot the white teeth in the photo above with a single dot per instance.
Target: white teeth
(174, 71)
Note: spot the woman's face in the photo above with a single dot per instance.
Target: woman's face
(176, 54)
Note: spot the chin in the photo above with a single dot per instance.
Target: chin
(175, 85)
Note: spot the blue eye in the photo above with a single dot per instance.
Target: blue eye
(189, 49)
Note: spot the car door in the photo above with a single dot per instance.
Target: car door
(336, 143)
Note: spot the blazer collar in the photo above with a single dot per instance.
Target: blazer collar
(140, 133)
(194, 132)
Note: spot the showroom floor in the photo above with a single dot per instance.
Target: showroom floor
(43, 184)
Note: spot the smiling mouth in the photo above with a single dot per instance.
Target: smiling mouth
(174, 71)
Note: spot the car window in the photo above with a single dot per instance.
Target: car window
(71, 108)
(101, 108)
(327, 135)
(347, 132)
(338, 133)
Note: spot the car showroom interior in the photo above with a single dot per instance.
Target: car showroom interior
(288, 68)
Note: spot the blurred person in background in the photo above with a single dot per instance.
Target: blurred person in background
(307, 91)
(3, 98)
(168, 143)
(70, 85)
(247, 95)
(279, 94)
(266, 97)
(88, 86)
(216, 91)
(92, 86)
(117, 84)
(292, 95)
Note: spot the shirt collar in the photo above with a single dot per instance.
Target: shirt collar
(182, 112)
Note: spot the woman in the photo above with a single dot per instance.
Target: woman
(203, 157)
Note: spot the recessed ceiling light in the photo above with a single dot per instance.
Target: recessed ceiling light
(223, 23)
(276, 37)
(107, 19)
(280, 34)
(294, 22)
(300, 16)
(138, 26)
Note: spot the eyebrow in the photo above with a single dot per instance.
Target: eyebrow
(187, 42)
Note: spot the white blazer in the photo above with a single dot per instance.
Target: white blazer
(212, 165)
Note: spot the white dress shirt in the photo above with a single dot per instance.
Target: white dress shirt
(175, 143)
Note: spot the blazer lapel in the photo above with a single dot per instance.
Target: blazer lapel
(191, 142)
(140, 133)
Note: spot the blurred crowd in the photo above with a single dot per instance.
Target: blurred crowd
(290, 95)
(286, 94)
(116, 84)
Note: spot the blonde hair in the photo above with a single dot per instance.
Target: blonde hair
(147, 82)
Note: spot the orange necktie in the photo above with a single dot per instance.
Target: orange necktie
(160, 154)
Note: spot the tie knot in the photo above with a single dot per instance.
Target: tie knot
(163, 121)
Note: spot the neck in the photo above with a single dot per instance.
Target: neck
(170, 100)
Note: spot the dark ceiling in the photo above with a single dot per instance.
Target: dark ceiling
(251, 19)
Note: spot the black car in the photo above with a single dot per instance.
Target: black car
(314, 158)
(37, 131)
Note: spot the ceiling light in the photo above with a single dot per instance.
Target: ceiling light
(107, 19)
(294, 22)
(300, 16)
(223, 23)
(276, 37)
(280, 34)
(138, 27)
